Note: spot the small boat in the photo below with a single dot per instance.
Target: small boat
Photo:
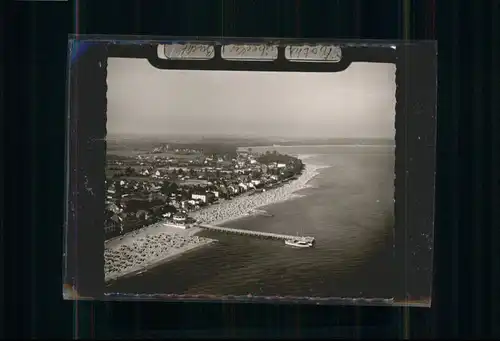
(298, 242)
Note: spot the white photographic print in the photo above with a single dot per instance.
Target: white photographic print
(250, 183)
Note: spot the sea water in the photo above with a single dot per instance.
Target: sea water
(348, 207)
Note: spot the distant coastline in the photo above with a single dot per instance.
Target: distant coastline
(317, 146)
(250, 141)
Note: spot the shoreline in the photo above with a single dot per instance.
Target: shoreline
(240, 206)
(119, 249)
(147, 248)
(158, 262)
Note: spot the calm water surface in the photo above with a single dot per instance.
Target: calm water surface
(348, 208)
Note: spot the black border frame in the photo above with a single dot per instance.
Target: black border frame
(416, 95)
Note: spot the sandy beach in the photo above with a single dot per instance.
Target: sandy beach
(158, 243)
(148, 247)
(245, 205)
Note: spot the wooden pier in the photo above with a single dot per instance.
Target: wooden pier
(254, 233)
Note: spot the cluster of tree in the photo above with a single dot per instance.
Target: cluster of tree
(270, 157)
(256, 174)
(286, 174)
(135, 205)
(214, 148)
(129, 171)
(169, 187)
(297, 166)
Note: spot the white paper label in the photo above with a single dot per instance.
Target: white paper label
(313, 53)
(186, 51)
(250, 52)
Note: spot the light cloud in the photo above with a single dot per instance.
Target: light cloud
(356, 103)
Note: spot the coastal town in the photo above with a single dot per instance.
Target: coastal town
(231, 184)
(175, 184)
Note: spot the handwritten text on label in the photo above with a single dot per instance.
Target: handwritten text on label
(186, 51)
(328, 53)
(250, 51)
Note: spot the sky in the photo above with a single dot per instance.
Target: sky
(358, 102)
